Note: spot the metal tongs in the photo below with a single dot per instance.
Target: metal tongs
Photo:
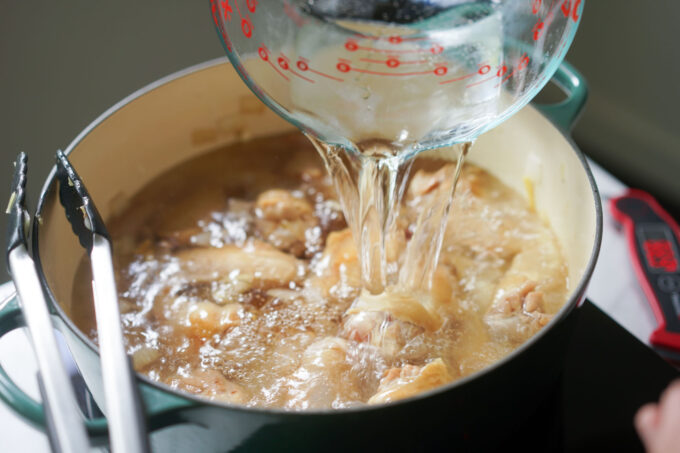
(65, 425)
(127, 425)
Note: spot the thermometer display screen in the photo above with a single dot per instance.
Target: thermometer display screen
(659, 250)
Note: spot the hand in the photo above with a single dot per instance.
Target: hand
(659, 424)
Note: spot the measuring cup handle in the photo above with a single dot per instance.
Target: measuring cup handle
(565, 113)
(161, 407)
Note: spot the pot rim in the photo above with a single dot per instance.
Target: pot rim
(575, 297)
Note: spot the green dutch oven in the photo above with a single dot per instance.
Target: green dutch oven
(207, 106)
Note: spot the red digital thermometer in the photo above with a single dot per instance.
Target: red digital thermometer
(654, 242)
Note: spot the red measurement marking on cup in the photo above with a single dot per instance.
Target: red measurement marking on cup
(520, 66)
(285, 65)
(246, 23)
(500, 72)
(539, 27)
(353, 46)
(399, 39)
(346, 66)
(343, 65)
(481, 82)
(483, 69)
(263, 52)
(538, 30)
(303, 65)
(395, 39)
(575, 15)
(393, 62)
(457, 79)
(215, 10)
(506, 78)
(570, 9)
(226, 10)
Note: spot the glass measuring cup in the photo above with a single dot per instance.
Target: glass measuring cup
(375, 82)
(417, 74)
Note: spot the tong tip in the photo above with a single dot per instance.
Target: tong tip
(80, 210)
(17, 224)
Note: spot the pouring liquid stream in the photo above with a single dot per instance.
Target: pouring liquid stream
(370, 186)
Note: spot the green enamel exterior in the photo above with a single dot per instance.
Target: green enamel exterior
(159, 406)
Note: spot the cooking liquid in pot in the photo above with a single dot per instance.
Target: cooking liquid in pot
(241, 282)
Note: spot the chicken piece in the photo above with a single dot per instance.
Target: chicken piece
(372, 324)
(424, 182)
(428, 311)
(216, 283)
(517, 311)
(206, 318)
(195, 318)
(419, 311)
(211, 289)
(337, 272)
(210, 384)
(256, 259)
(287, 222)
(409, 380)
(389, 321)
(380, 330)
(533, 287)
(324, 378)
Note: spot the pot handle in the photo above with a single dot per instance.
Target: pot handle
(161, 408)
(565, 113)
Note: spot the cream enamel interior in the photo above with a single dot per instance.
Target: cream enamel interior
(211, 107)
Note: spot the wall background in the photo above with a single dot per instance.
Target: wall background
(628, 52)
(62, 66)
